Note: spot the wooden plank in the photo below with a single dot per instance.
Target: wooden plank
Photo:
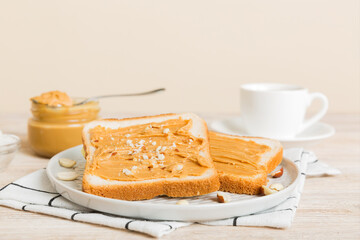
(329, 208)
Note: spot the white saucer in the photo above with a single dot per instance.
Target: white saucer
(309, 137)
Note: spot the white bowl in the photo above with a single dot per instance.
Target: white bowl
(8, 151)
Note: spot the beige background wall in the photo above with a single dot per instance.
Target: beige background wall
(201, 51)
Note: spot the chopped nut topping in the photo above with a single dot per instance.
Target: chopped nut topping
(158, 148)
(267, 191)
(67, 176)
(112, 139)
(153, 143)
(223, 197)
(134, 167)
(66, 162)
(161, 156)
(163, 149)
(127, 135)
(182, 202)
(129, 142)
(166, 130)
(152, 164)
(278, 173)
(127, 172)
(173, 145)
(179, 167)
(276, 186)
(145, 157)
(137, 150)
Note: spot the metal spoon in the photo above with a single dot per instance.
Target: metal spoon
(115, 95)
(120, 95)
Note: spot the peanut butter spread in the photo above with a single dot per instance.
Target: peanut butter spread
(236, 156)
(148, 151)
(54, 99)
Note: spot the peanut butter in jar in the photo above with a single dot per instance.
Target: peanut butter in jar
(57, 123)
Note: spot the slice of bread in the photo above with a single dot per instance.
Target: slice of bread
(130, 187)
(247, 161)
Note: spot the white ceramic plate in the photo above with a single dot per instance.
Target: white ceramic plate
(200, 208)
(309, 137)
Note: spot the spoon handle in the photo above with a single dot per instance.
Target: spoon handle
(121, 95)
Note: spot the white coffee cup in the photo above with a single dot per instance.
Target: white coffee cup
(278, 110)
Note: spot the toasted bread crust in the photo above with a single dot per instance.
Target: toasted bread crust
(242, 185)
(147, 190)
(142, 191)
(248, 184)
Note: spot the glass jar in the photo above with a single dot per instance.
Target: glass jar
(54, 129)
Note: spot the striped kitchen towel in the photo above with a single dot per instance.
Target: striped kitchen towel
(34, 193)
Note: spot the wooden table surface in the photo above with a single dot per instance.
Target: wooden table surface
(329, 206)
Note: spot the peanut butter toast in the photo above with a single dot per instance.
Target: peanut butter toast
(141, 158)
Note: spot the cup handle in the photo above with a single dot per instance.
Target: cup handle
(312, 96)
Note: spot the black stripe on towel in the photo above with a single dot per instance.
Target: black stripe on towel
(315, 161)
(235, 220)
(288, 209)
(72, 216)
(4, 187)
(15, 184)
(51, 200)
(303, 173)
(23, 208)
(280, 210)
(127, 225)
(302, 154)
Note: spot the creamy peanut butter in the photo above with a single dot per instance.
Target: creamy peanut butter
(52, 130)
(54, 99)
(148, 151)
(237, 156)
